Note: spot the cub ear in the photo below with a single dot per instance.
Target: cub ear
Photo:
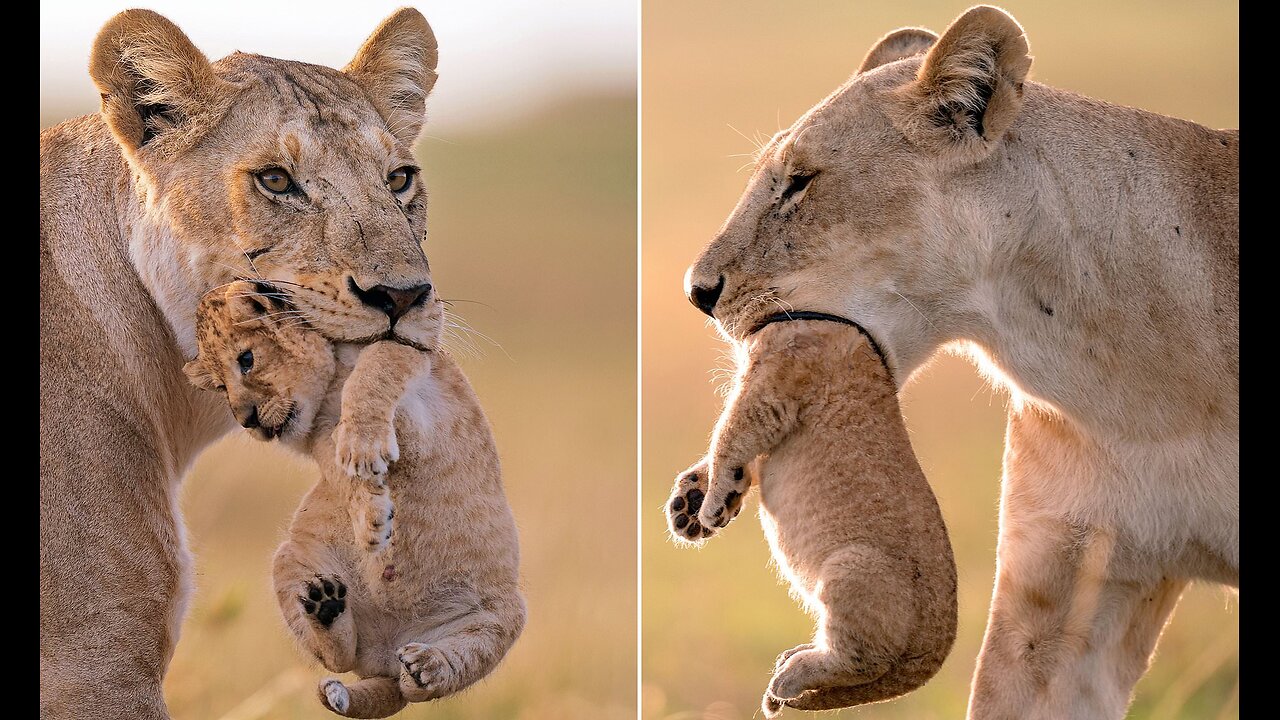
(897, 45)
(397, 65)
(199, 375)
(152, 79)
(968, 90)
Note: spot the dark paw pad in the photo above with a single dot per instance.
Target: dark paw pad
(325, 598)
(683, 511)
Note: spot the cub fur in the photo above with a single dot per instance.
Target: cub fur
(420, 608)
(853, 525)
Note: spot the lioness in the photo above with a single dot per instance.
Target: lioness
(406, 453)
(192, 174)
(1088, 256)
(851, 521)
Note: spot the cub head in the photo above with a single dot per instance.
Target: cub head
(844, 213)
(254, 347)
(295, 174)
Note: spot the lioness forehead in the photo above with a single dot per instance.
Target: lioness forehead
(319, 96)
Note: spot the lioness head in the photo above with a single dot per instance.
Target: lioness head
(276, 170)
(849, 204)
(253, 347)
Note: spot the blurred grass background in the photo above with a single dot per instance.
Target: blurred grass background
(714, 619)
(535, 220)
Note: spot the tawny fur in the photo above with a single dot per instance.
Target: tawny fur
(406, 456)
(1087, 256)
(813, 419)
(143, 208)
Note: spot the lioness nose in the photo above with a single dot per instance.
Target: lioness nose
(391, 300)
(704, 298)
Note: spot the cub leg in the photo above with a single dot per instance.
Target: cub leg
(313, 596)
(760, 412)
(468, 649)
(365, 438)
(371, 697)
(371, 512)
(868, 612)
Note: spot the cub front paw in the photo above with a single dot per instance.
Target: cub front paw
(324, 598)
(724, 498)
(686, 500)
(365, 450)
(373, 521)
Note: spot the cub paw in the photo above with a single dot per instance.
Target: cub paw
(372, 522)
(431, 673)
(686, 500)
(335, 696)
(324, 599)
(365, 451)
(723, 501)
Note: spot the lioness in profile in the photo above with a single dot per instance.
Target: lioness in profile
(813, 419)
(1088, 256)
(195, 173)
(438, 608)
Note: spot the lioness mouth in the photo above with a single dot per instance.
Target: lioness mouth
(786, 316)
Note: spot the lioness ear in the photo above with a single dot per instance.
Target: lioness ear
(199, 375)
(968, 90)
(899, 44)
(152, 79)
(397, 65)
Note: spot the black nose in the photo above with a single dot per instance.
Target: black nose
(392, 301)
(252, 420)
(704, 298)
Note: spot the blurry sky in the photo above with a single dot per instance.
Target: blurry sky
(498, 58)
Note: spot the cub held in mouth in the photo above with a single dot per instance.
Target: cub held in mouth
(853, 525)
(423, 599)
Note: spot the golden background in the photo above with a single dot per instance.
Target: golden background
(712, 72)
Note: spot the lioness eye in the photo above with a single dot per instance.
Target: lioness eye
(275, 180)
(401, 179)
(246, 361)
(797, 185)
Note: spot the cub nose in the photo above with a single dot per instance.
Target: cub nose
(704, 298)
(252, 420)
(391, 300)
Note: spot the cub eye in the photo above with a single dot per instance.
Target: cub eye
(246, 361)
(796, 184)
(401, 179)
(275, 181)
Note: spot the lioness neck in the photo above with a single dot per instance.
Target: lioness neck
(1089, 239)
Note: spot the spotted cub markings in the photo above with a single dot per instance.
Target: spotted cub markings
(325, 599)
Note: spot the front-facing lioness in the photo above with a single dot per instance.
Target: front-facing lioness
(420, 606)
(192, 174)
(1089, 255)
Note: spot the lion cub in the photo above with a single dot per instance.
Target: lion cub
(390, 426)
(813, 419)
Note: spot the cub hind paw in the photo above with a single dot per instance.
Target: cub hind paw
(428, 670)
(324, 599)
